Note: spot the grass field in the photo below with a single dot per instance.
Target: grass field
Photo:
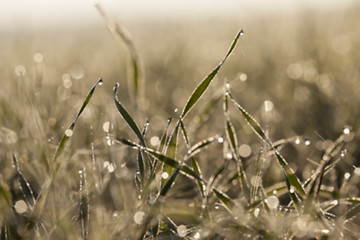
(211, 133)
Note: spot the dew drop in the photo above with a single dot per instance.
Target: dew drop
(181, 230)
(272, 202)
(227, 85)
(197, 235)
(242, 32)
(106, 164)
(21, 206)
(20, 70)
(176, 110)
(165, 175)
(139, 217)
(243, 77)
(256, 181)
(80, 171)
(111, 168)
(220, 140)
(38, 57)
(229, 156)
(256, 212)
(106, 126)
(292, 190)
(67, 83)
(343, 153)
(68, 132)
(245, 150)
(346, 130)
(307, 142)
(268, 105)
(297, 140)
(347, 176)
(155, 141)
(100, 82)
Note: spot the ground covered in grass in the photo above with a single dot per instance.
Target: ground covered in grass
(211, 133)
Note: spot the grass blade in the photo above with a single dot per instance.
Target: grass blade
(24, 184)
(135, 70)
(292, 181)
(201, 88)
(224, 199)
(41, 199)
(126, 116)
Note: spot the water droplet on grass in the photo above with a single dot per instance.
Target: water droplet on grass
(346, 130)
(106, 126)
(347, 176)
(272, 202)
(307, 142)
(21, 206)
(165, 175)
(229, 156)
(297, 140)
(68, 132)
(139, 217)
(227, 85)
(242, 32)
(220, 140)
(256, 181)
(197, 235)
(181, 230)
(292, 190)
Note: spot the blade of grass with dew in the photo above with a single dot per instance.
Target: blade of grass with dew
(290, 176)
(142, 164)
(135, 70)
(84, 210)
(228, 203)
(198, 147)
(169, 182)
(126, 116)
(350, 214)
(171, 148)
(232, 139)
(40, 201)
(24, 184)
(194, 162)
(201, 88)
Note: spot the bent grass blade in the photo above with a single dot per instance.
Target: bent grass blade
(201, 88)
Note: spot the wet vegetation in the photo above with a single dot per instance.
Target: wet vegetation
(191, 130)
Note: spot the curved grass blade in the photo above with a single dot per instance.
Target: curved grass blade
(135, 69)
(84, 211)
(24, 184)
(201, 88)
(291, 179)
(126, 116)
(169, 182)
(41, 198)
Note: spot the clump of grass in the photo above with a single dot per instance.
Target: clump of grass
(233, 200)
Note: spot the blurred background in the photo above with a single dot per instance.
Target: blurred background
(296, 70)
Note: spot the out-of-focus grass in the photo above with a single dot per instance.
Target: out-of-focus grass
(297, 75)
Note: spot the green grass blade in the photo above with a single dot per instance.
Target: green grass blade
(169, 182)
(65, 138)
(352, 213)
(224, 199)
(126, 116)
(24, 184)
(135, 70)
(291, 179)
(201, 88)
(41, 198)
(194, 162)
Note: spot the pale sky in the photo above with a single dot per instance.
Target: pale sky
(37, 13)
